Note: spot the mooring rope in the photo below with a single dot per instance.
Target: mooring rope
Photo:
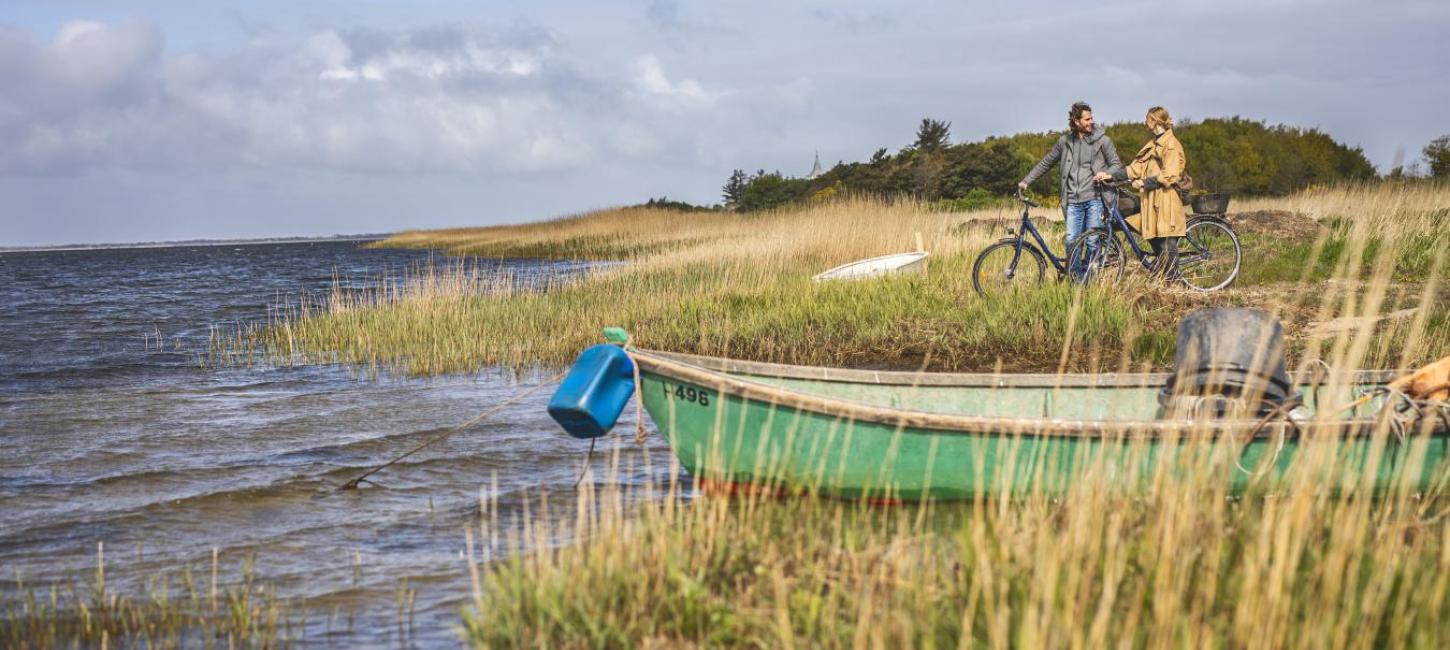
(588, 460)
(639, 433)
(1283, 411)
(353, 484)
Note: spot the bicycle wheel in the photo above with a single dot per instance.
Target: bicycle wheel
(1209, 255)
(1095, 258)
(1000, 267)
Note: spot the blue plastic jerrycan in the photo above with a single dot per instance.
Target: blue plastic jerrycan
(594, 392)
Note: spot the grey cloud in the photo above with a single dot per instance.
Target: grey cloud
(855, 22)
(78, 97)
(664, 13)
(433, 100)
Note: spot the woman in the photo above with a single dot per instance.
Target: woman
(1155, 171)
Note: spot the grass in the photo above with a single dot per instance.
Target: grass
(1175, 564)
(169, 611)
(1169, 561)
(739, 285)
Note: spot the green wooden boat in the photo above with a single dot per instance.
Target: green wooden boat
(907, 436)
(1232, 418)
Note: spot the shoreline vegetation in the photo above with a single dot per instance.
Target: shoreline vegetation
(1324, 260)
(1158, 558)
(1162, 559)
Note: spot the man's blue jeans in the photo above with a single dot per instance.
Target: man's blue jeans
(1080, 218)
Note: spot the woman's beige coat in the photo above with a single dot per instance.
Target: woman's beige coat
(1163, 214)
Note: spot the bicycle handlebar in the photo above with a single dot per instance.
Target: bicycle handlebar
(1023, 198)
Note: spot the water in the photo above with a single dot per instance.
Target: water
(113, 432)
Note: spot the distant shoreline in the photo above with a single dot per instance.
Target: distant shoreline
(193, 242)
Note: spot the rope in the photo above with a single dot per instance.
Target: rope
(639, 433)
(353, 484)
(1318, 382)
(1283, 410)
(588, 459)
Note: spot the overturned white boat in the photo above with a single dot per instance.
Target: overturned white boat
(914, 262)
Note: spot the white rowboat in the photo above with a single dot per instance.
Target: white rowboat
(877, 266)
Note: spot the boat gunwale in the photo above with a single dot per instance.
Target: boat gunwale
(984, 379)
(673, 366)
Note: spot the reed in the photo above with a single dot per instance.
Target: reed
(1139, 552)
(1160, 560)
(172, 610)
(739, 285)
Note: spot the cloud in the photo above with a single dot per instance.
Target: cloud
(428, 100)
(650, 78)
(663, 13)
(858, 23)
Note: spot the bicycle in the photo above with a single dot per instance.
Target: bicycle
(1000, 265)
(1209, 253)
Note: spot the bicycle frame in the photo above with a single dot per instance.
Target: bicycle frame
(1114, 222)
(1027, 227)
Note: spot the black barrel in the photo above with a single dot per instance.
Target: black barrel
(1229, 359)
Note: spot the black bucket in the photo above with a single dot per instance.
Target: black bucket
(1228, 361)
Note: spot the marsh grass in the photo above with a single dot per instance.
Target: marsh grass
(173, 610)
(1164, 560)
(739, 285)
(1142, 550)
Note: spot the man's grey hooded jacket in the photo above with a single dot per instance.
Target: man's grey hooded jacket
(1080, 158)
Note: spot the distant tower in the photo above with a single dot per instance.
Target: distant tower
(815, 169)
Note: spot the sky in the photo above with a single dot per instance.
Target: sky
(168, 120)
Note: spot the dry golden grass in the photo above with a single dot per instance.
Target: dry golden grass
(841, 231)
(1152, 557)
(1373, 205)
(173, 610)
(1169, 562)
(739, 285)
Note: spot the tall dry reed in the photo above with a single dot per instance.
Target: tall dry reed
(1144, 549)
(739, 285)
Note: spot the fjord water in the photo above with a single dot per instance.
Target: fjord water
(114, 431)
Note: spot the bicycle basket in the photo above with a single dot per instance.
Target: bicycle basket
(1215, 203)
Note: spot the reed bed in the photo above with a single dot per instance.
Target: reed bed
(1160, 558)
(173, 610)
(739, 285)
(1139, 550)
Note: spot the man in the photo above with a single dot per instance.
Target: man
(1085, 154)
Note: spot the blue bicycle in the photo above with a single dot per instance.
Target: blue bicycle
(1014, 261)
(1209, 254)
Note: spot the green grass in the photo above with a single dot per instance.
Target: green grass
(173, 610)
(901, 322)
(1174, 564)
(739, 286)
(1276, 260)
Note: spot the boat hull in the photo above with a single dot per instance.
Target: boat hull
(732, 430)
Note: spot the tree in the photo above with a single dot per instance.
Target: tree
(1437, 154)
(765, 191)
(932, 135)
(988, 168)
(735, 188)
